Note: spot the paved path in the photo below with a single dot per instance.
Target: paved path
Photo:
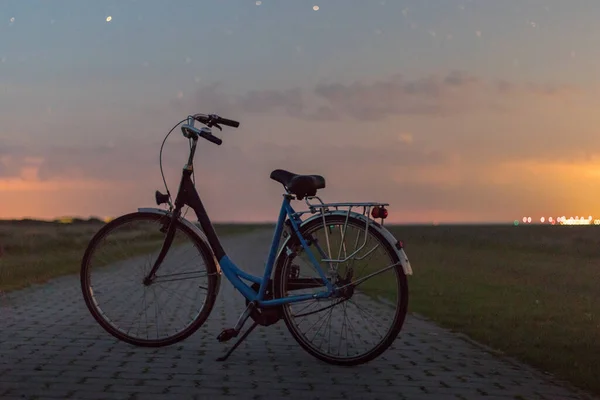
(50, 347)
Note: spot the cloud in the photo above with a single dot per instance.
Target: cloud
(405, 138)
(129, 161)
(406, 154)
(434, 95)
(132, 161)
(419, 181)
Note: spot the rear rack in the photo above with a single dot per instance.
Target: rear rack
(362, 209)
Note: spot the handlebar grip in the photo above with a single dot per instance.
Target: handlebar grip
(213, 139)
(229, 122)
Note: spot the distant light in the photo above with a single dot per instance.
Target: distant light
(316, 8)
(550, 219)
(258, 3)
(528, 220)
(590, 218)
(516, 222)
(524, 220)
(108, 19)
(542, 220)
(12, 19)
(575, 221)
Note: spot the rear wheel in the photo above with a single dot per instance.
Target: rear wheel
(164, 312)
(363, 320)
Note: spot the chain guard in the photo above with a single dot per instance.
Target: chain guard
(265, 316)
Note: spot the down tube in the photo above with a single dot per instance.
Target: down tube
(283, 212)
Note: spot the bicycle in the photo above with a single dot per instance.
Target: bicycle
(268, 297)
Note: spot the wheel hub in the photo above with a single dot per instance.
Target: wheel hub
(343, 285)
(344, 289)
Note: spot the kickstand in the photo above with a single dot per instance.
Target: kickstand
(240, 340)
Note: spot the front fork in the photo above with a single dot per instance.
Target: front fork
(170, 224)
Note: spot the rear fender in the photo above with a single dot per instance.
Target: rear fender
(387, 235)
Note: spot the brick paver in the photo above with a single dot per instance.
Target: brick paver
(50, 347)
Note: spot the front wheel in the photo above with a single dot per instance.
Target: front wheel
(363, 319)
(169, 309)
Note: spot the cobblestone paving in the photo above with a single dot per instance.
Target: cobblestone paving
(50, 347)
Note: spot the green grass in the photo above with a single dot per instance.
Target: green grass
(532, 292)
(36, 251)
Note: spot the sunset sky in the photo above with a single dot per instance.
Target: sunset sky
(450, 110)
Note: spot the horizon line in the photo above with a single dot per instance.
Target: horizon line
(273, 222)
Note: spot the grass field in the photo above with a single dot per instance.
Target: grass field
(35, 251)
(532, 292)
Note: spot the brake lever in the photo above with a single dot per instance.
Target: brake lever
(217, 126)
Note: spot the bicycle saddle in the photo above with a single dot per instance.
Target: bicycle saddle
(300, 185)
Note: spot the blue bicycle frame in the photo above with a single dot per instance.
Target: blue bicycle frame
(187, 195)
(233, 273)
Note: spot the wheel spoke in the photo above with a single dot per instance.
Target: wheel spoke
(177, 301)
(355, 327)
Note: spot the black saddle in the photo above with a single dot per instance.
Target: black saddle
(300, 185)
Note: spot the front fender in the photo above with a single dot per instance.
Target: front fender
(395, 243)
(197, 231)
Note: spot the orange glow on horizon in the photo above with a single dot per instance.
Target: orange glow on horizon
(36, 185)
(28, 196)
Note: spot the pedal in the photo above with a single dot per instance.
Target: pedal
(240, 340)
(227, 334)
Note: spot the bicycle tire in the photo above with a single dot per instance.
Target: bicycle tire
(402, 301)
(204, 251)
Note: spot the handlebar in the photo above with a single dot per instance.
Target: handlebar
(214, 120)
(210, 120)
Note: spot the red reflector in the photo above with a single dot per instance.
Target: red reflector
(379, 212)
(375, 212)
